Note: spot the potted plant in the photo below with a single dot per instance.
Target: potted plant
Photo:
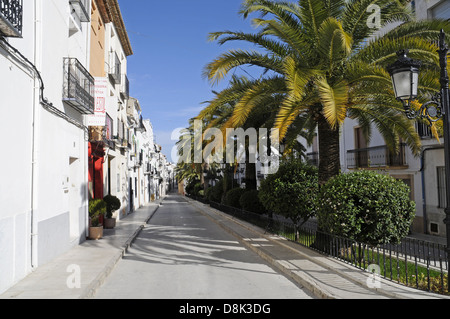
(112, 204)
(97, 207)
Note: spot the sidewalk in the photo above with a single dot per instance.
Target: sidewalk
(93, 259)
(327, 278)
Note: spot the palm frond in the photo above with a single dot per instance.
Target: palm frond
(334, 101)
(220, 67)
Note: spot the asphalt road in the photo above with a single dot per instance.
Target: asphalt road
(182, 254)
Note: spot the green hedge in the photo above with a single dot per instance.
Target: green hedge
(233, 196)
(366, 206)
(292, 191)
(250, 202)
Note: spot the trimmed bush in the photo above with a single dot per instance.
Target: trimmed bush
(250, 202)
(366, 206)
(112, 204)
(233, 196)
(198, 189)
(97, 207)
(292, 191)
(193, 187)
(208, 193)
(216, 192)
(190, 186)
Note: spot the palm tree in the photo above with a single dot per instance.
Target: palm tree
(218, 113)
(188, 167)
(328, 64)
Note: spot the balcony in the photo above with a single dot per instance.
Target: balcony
(11, 12)
(109, 128)
(81, 8)
(125, 87)
(115, 68)
(377, 157)
(78, 89)
(141, 127)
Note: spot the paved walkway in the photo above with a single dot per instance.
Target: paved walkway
(325, 277)
(93, 261)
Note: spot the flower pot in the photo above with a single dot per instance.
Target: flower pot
(95, 233)
(109, 223)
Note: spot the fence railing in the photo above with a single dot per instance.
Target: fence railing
(376, 157)
(414, 263)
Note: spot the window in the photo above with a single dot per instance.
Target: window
(81, 9)
(408, 180)
(441, 187)
(440, 11)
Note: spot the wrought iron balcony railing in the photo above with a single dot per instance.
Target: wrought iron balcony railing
(376, 157)
(115, 68)
(81, 8)
(109, 129)
(121, 138)
(78, 89)
(11, 13)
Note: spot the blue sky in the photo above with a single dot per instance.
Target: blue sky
(169, 40)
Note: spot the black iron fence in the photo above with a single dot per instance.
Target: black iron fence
(414, 263)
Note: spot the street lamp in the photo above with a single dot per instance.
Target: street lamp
(405, 79)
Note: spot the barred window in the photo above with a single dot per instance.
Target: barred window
(441, 187)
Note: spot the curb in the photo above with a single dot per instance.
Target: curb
(305, 280)
(308, 283)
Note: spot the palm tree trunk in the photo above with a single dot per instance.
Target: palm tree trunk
(250, 169)
(250, 176)
(329, 153)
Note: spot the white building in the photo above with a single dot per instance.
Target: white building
(43, 65)
(109, 52)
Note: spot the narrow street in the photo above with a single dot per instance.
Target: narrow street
(182, 254)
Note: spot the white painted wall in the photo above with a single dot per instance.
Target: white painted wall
(52, 197)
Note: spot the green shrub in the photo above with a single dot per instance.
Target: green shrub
(250, 202)
(193, 187)
(217, 191)
(97, 207)
(292, 191)
(190, 186)
(198, 187)
(112, 204)
(208, 193)
(233, 196)
(366, 206)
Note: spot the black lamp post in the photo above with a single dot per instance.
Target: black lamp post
(405, 78)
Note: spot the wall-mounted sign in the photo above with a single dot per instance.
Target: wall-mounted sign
(101, 92)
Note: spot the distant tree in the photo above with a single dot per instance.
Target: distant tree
(292, 191)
